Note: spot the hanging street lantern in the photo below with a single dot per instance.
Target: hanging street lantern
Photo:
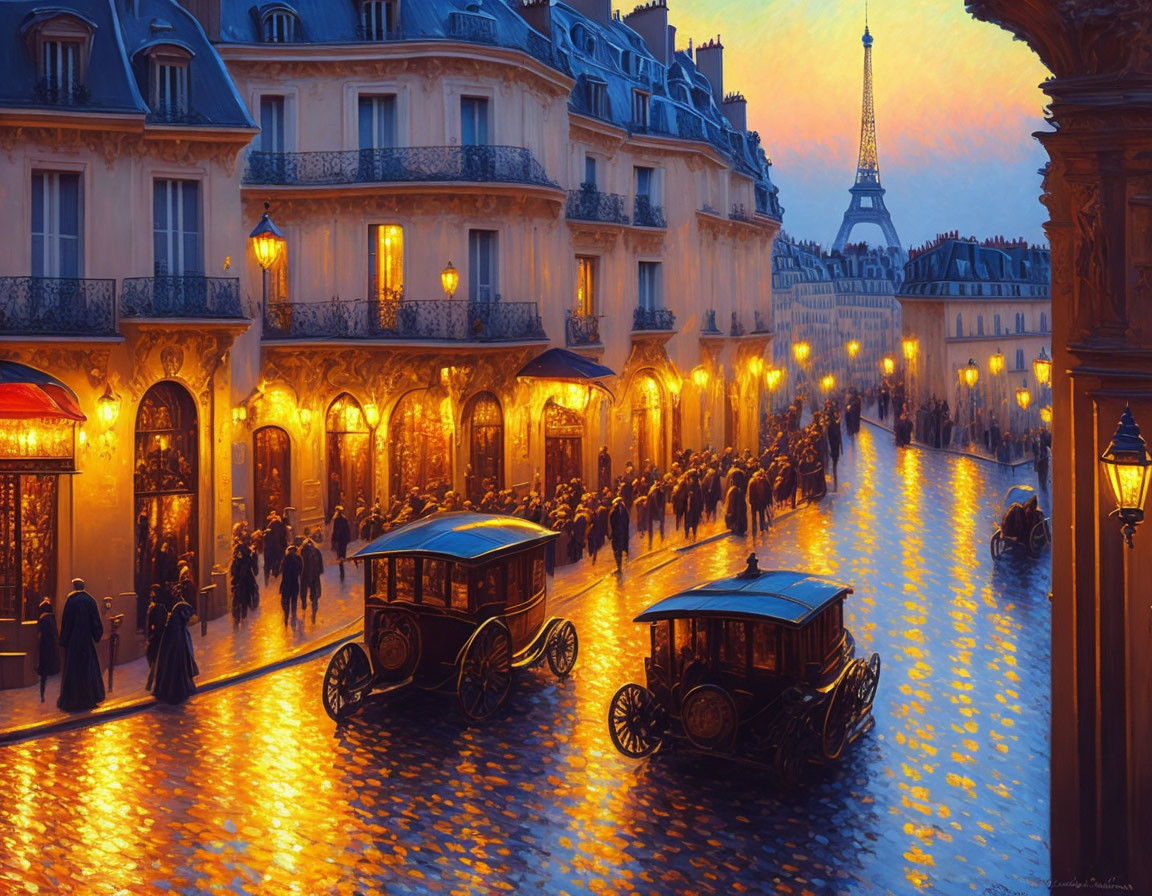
(772, 377)
(996, 363)
(828, 383)
(1023, 396)
(108, 407)
(800, 351)
(1046, 415)
(267, 241)
(449, 280)
(889, 366)
(909, 345)
(971, 374)
(853, 349)
(1042, 367)
(1126, 465)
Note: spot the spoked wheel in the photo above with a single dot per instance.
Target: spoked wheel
(1038, 538)
(563, 646)
(709, 717)
(346, 681)
(866, 685)
(486, 670)
(840, 711)
(636, 721)
(996, 545)
(791, 757)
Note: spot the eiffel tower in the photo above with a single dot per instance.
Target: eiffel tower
(867, 205)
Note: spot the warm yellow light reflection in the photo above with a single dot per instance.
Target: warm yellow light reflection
(889, 366)
(756, 366)
(910, 345)
(828, 383)
(800, 352)
(772, 378)
(304, 415)
(372, 414)
(700, 378)
(36, 438)
(853, 348)
(1046, 415)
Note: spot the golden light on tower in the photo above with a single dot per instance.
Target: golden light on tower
(971, 374)
(853, 349)
(1042, 367)
(1126, 466)
(800, 351)
(889, 366)
(772, 378)
(1023, 396)
(449, 280)
(909, 345)
(996, 363)
(267, 241)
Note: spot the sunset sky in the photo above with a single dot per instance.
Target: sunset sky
(956, 104)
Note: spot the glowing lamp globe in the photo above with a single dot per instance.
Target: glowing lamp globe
(700, 378)
(449, 280)
(108, 407)
(971, 374)
(1042, 367)
(756, 366)
(1023, 396)
(267, 241)
(909, 346)
(372, 414)
(1045, 415)
(1126, 466)
(828, 383)
(800, 352)
(772, 377)
(889, 366)
(853, 348)
(996, 363)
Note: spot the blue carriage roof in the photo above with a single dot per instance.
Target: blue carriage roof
(459, 535)
(779, 595)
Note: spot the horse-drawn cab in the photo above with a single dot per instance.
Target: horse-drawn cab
(756, 667)
(1023, 526)
(452, 601)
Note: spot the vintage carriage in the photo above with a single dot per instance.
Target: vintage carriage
(757, 667)
(452, 601)
(1026, 530)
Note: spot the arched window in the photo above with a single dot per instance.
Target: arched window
(420, 444)
(272, 477)
(279, 25)
(348, 443)
(485, 422)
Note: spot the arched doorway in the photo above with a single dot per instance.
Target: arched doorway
(273, 475)
(419, 445)
(563, 446)
(485, 421)
(166, 481)
(647, 421)
(349, 448)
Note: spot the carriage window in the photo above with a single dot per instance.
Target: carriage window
(490, 585)
(459, 586)
(378, 578)
(537, 572)
(434, 583)
(765, 649)
(702, 652)
(404, 577)
(733, 645)
(682, 633)
(660, 644)
(515, 580)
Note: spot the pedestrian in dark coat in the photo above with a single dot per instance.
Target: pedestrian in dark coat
(290, 569)
(835, 443)
(693, 506)
(176, 663)
(157, 619)
(312, 568)
(618, 529)
(598, 531)
(656, 510)
(242, 573)
(604, 469)
(48, 659)
(341, 536)
(81, 628)
(759, 497)
(736, 511)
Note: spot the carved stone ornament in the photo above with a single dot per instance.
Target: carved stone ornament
(111, 145)
(62, 361)
(305, 204)
(162, 353)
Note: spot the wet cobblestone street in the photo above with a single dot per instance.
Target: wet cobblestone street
(251, 790)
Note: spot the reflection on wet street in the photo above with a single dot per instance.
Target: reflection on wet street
(250, 789)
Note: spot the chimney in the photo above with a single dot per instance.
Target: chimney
(207, 13)
(650, 21)
(710, 63)
(538, 14)
(735, 109)
(597, 10)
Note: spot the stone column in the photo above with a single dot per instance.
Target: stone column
(1098, 191)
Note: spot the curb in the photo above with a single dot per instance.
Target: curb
(97, 717)
(914, 444)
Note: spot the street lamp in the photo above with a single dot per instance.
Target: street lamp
(1125, 464)
(853, 348)
(800, 352)
(108, 407)
(889, 366)
(1046, 415)
(1042, 366)
(970, 374)
(756, 366)
(909, 345)
(827, 384)
(996, 363)
(1023, 396)
(267, 242)
(449, 280)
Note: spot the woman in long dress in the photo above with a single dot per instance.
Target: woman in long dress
(175, 663)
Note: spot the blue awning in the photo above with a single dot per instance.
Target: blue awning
(776, 595)
(561, 364)
(459, 535)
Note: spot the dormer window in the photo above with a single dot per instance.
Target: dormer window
(168, 81)
(598, 98)
(279, 26)
(379, 19)
(59, 42)
(640, 118)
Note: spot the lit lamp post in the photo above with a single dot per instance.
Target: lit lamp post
(1042, 367)
(1125, 464)
(827, 384)
(449, 280)
(971, 374)
(108, 407)
(267, 242)
(1023, 399)
(996, 368)
(889, 366)
(700, 381)
(772, 378)
(801, 351)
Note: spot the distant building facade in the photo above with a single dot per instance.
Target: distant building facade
(964, 300)
(593, 187)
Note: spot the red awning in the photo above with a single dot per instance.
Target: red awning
(30, 394)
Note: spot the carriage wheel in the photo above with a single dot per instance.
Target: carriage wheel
(563, 646)
(791, 759)
(709, 717)
(346, 680)
(486, 670)
(636, 721)
(840, 711)
(1038, 538)
(396, 644)
(996, 545)
(866, 689)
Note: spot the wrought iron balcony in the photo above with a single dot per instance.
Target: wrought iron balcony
(472, 27)
(645, 214)
(739, 214)
(589, 204)
(653, 319)
(408, 164)
(581, 329)
(189, 296)
(57, 306)
(439, 320)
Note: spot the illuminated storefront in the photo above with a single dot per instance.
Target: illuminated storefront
(420, 445)
(647, 421)
(349, 443)
(563, 446)
(273, 473)
(485, 428)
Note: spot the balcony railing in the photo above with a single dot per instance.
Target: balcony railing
(439, 320)
(409, 164)
(472, 27)
(653, 319)
(645, 214)
(739, 214)
(581, 329)
(188, 296)
(57, 306)
(589, 204)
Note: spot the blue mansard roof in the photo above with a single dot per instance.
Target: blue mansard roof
(1025, 269)
(114, 79)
